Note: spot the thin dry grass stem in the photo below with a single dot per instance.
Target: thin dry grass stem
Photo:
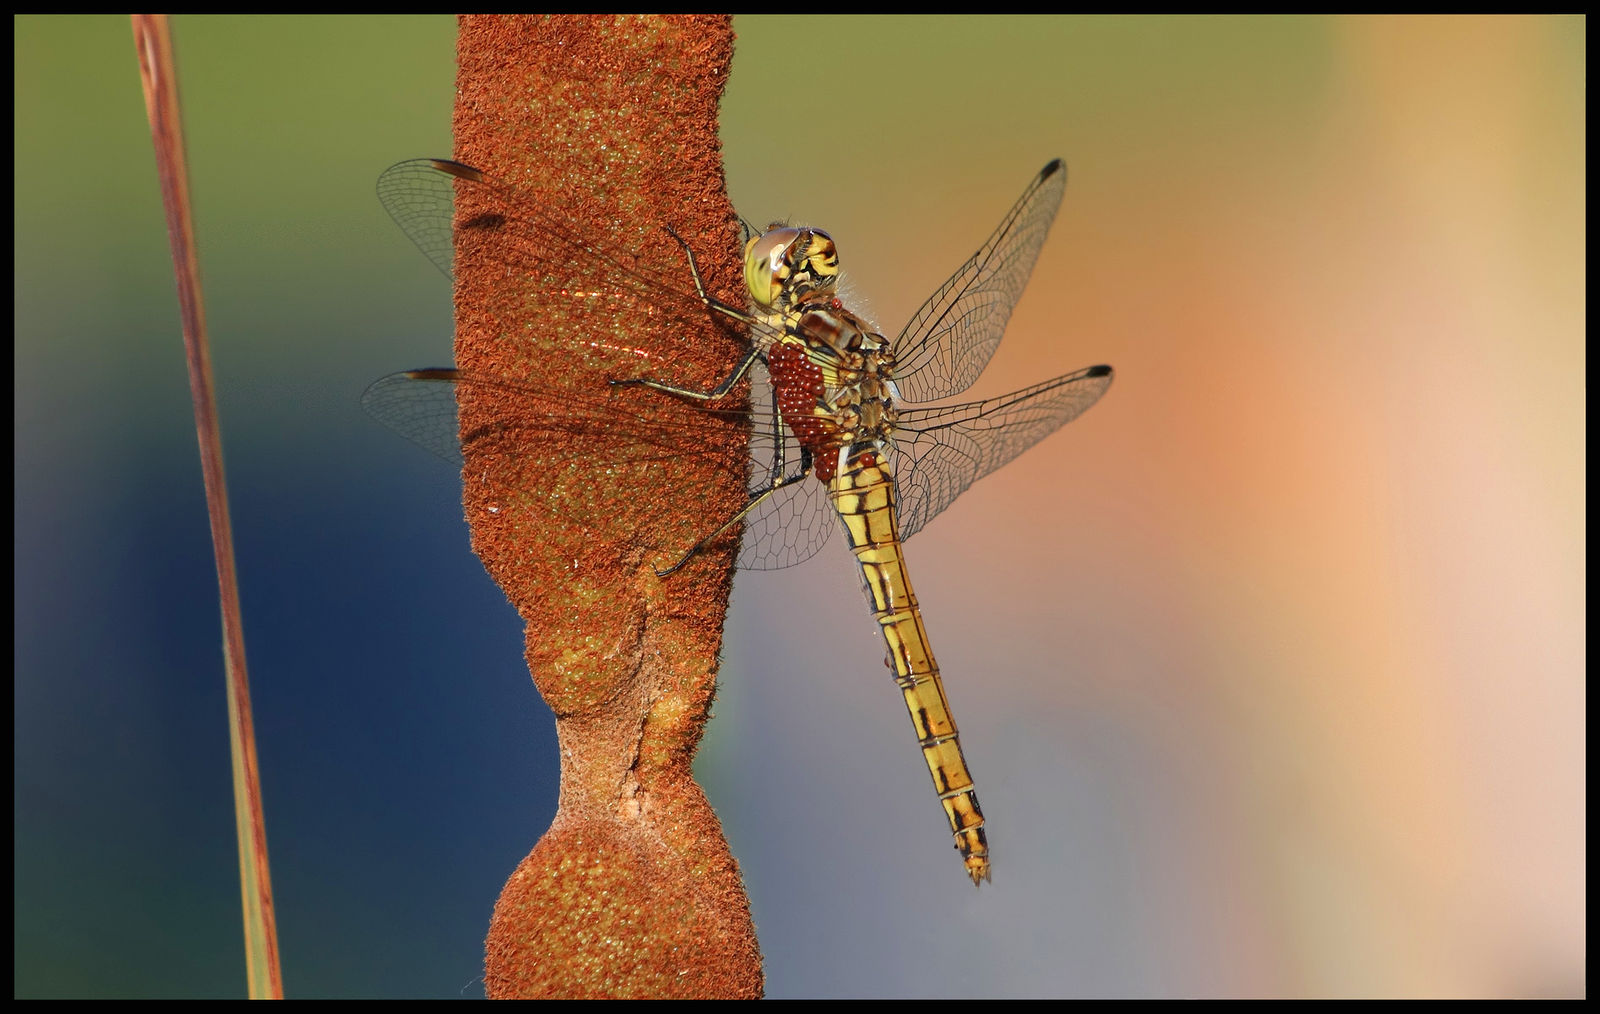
(153, 39)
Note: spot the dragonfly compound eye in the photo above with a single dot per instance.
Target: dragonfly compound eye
(767, 264)
(784, 265)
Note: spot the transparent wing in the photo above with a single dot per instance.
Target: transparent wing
(948, 342)
(432, 199)
(424, 197)
(941, 451)
(420, 405)
(644, 432)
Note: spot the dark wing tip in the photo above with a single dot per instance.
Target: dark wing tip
(444, 373)
(459, 170)
(1098, 371)
(432, 373)
(1055, 165)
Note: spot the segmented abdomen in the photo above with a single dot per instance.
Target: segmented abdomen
(864, 496)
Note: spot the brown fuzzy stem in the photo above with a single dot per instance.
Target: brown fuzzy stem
(611, 124)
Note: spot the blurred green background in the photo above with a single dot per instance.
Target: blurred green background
(1272, 678)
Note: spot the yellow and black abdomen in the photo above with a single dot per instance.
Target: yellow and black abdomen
(864, 495)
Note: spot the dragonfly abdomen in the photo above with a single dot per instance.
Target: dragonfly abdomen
(864, 496)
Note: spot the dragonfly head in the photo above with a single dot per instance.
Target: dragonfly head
(785, 266)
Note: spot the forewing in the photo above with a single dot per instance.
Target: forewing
(432, 200)
(941, 451)
(949, 341)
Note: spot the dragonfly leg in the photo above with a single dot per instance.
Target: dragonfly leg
(780, 448)
(755, 500)
(712, 304)
(683, 392)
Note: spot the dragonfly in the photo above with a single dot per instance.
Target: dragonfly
(840, 429)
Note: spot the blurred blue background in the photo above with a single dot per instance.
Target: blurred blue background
(1273, 685)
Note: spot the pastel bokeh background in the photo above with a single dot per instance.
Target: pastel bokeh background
(1271, 668)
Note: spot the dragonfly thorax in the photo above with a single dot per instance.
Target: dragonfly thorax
(834, 376)
(832, 371)
(786, 266)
